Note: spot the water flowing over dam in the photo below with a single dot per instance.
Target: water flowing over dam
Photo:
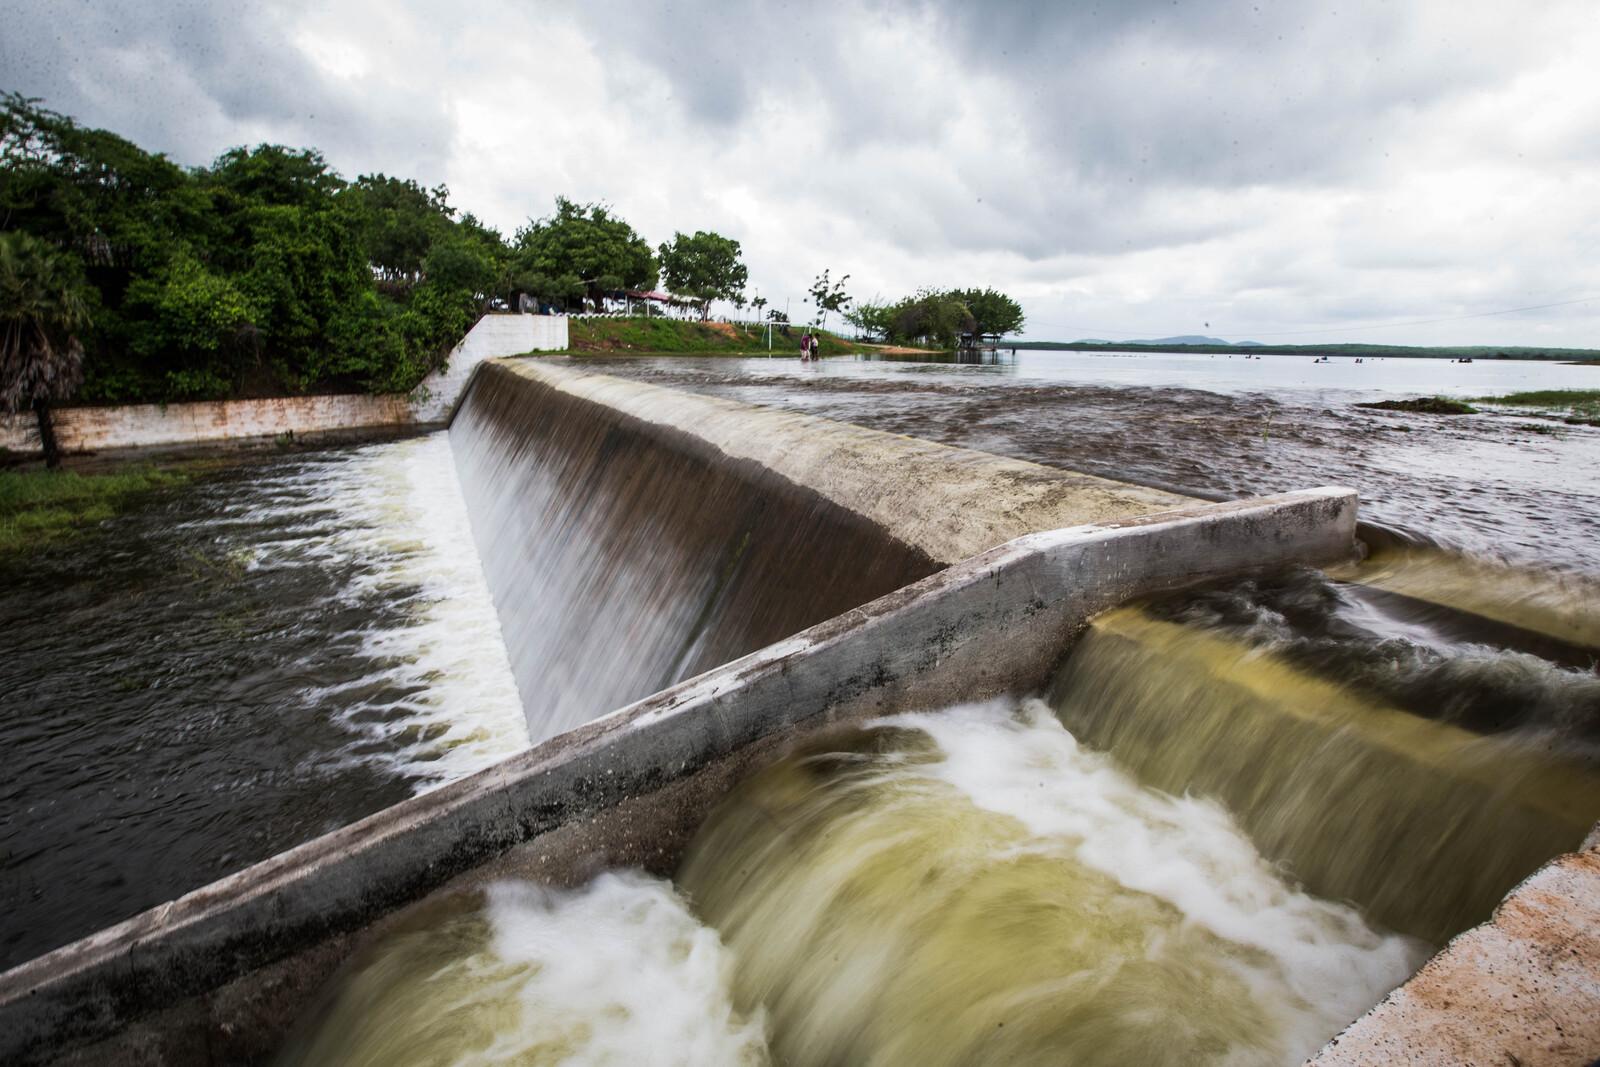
(850, 747)
(622, 562)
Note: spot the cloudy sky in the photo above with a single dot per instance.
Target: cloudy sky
(1126, 168)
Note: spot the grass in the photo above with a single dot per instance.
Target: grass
(672, 336)
(1579, 407)
(37, 507)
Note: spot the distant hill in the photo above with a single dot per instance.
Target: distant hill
(1185, 339)
(1216, 347)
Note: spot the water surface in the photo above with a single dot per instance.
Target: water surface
(250, 661)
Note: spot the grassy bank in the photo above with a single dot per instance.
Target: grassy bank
(678, 336)
(1576, 406)
(37, 507)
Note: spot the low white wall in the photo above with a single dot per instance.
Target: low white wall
(92, 429)
(436, 398)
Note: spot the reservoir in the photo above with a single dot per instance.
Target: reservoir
(1233, 819)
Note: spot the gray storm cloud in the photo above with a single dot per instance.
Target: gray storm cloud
(1140, 164)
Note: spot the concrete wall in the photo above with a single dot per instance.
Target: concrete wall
(1523, 988)
(591, 523)
(436, 398)
(94, 429)
(949, 503)
(218, 975)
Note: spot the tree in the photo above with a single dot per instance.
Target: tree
(930, 315)
(42, 311)
(399, 221)
(993, 314)
(704, 267)
(581, 251)
(872, 318)
(828, 297)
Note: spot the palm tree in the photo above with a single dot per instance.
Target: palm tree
(42, 310)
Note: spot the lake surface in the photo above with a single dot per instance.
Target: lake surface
(1495, 484)
(1339, 378)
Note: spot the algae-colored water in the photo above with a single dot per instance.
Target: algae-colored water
(1237, 818)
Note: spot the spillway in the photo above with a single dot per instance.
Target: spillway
(794, 666)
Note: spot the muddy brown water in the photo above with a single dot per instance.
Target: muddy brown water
(1493, 485)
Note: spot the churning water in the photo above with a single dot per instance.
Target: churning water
(966, 886)
(1236, 818)
(275, 650)
(615, 974)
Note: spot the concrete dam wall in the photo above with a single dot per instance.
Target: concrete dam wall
(691, 591)
(635, 536)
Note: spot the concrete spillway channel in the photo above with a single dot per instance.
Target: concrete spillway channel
(914, 576)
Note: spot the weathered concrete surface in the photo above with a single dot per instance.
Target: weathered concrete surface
(494, 336)
(949, 502)
(124, 426)
(1522, 989)
(229, 966)
(592, 523)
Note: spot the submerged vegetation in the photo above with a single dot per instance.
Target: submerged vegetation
(37, 506)
(1424, 405)
(1580, 407)
(939, 317)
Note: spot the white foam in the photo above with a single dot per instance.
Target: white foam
(1021, 762)
(622, 972)
(615, 974)
(396, 509)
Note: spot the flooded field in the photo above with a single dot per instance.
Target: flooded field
(1492, 485)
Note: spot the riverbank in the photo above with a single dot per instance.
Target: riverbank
(640, 336)
(39, 507)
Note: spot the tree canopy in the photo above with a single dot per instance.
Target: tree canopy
(704, 267)
(940, 317)
(42, 310)
(264, 273)
(583, 251)
(828, 295)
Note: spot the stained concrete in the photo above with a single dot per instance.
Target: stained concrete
(218, 975)
(1522, 990)
(109, 427)
(950, 503)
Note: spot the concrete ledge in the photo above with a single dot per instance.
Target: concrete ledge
(950, 503)
(1523, 988)
(993, 623)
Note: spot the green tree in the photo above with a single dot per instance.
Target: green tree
(399, 222)
(994, 314)
(198, 326)
(42, 311)
(873, 318)
(931, 316)
(582, 251)
(828, 296)
(704, 267)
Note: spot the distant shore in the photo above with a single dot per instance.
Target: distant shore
(1575, 356)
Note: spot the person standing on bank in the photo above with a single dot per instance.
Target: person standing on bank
(805, 346)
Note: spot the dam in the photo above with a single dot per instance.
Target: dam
(828, 715)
